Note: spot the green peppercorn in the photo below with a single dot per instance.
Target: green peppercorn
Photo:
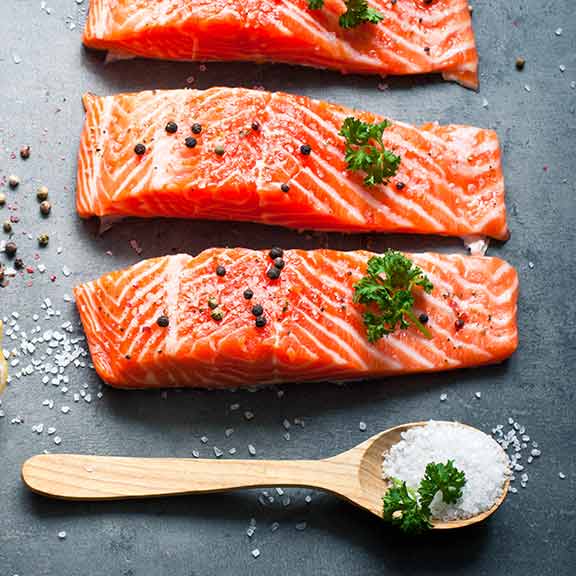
(219, 150)
(45, 208)
(212, 303)
(42, 194)
(217, 315)
(43, 240)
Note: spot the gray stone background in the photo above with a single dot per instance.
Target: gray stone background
(43, 72)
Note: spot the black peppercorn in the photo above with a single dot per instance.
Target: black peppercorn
(276, 253)
(220, 270)
(171, 127)
(279, 263)
(248, 294)
(196, 128)
(423, 318)
(260, 322)
(139, 149)
(285, 187)
(400, 185)
(273, 273)
(305, 149)
(190, 142)
(163, 321)
(257, 310)
(11, 249)
(255, 126)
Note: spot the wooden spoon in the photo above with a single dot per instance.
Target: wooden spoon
(355, 475)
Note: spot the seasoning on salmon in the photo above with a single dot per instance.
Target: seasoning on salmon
(412, 36)
(311, 329)
(452, 175)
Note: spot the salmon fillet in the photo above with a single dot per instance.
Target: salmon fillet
(414, 37)
(313, 329)
(449, 182)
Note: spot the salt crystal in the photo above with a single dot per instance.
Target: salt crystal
(62, 535)
(443, 397)
(558, 31)
(65, 409)
(251, 450)
(274, 526)
(228, 432)
(255, 552)
(362, 426)
(204, 439)
(561, 475)
(57, 440)
(301, 526)
(478, 395)
(248, 415)
(217, 452)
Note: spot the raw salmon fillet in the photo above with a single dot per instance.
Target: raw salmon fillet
(449, 182)
(313, 332)
(415, 36)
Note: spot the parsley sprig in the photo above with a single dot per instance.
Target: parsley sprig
(365, 150)
(357, 12)
(410, 509)
(388, 287)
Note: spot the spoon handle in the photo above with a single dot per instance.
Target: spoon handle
(79, 477)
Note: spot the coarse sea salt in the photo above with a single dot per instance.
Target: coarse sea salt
(480, 458)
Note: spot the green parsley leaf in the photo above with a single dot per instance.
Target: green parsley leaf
(358, 12)
(315, 4)
(387, 288)
(410, 510)
(445, 478)
(365, 150)
(401, 508)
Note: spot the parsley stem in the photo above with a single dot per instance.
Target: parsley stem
(419, 324)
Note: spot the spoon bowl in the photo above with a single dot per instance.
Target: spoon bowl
(368, 456)
(355, 475)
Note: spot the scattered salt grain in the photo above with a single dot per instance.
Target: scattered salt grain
(481, 459)
(251, 450)
(478, 395)
(57, 440)
(62, 535)
(362, 426)
(248, 415)
(561, 475)
(65, 409)
(217, 452)
(443, 397)
(274, 526)
(558, 31)
(255, 552)
(301, 526)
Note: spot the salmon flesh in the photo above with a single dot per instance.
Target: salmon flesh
(186, 321)
(414, 37)
(246, 162)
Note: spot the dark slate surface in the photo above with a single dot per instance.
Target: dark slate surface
(534, 532)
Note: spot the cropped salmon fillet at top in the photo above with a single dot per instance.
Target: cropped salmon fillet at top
(413, 37)
(276, 158)
(219, 319)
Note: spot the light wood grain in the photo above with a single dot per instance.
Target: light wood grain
(355, 475)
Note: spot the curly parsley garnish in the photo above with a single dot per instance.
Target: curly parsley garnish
(410, 509)
(357, 12)
(387, 286)
(365, 150)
